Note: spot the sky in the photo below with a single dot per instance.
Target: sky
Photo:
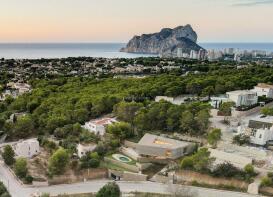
(120, 20)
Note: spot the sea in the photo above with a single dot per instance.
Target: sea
(106, 50)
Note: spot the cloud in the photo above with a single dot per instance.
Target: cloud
(252, 2)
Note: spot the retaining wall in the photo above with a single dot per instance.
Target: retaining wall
(121, 164)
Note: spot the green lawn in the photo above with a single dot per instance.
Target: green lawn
(133, 162)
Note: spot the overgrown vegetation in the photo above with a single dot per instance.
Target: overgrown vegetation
(62, 101)
(203, 163)
(109, 190)
(3, 191)
(214, 136)
(241, 139)
(267, 111)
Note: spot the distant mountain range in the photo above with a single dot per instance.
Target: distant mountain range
(166, 42)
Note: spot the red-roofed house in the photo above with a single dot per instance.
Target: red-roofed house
(98, 126)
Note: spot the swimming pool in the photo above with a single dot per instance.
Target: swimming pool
(122, 158)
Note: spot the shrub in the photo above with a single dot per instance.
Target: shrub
(249, 169)
(200, 161)
(2, 188)
(266, 181)
(109, 190)
(214, 136)
(58, 162)
(6, 194)
(227, 170)
(187, 163)
(94, 155)
(20, 167)
(270, 174)
(74, 164)
(29, 179)
(241, 139)
(93, 163)
(45, 195)
(8, 155)
(101, 149)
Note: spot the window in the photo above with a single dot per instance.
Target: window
(168, 153)
(260, 136)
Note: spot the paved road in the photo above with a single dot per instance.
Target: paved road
(17, 190)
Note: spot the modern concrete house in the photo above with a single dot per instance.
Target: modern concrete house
(98, 126)
(27, 148)
(243, 97)
(161, 147)
(263, 89)
(260, 130)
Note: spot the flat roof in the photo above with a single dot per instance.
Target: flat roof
(264, 85)
(241, 92)
(267, 119)
(103, 121)
(162, 142)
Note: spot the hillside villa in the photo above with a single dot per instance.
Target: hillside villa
(98, 126)
(243, 97)
(161, 147)
(263, 89)
(27, 148)
(82, 149)
(260, 130)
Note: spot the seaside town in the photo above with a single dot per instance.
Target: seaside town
(126, 98)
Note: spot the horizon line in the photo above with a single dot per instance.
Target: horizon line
(103, 42)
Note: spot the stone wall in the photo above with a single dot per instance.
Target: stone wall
(129, 176)
(40, 184)
(162, 179)
(153, 160)
(83, 175)
(185, 176)
(143, 166)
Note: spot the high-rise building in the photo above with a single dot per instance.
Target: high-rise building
(237, 57)
(193, 54)
(201, 54)
(230, 51)
(179, 52)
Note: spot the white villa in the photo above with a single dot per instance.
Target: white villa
(98, 126)
(175, 100)
(260, 130)
(82, 149)
(263, 89)
(215, 102)
(27, 148)
(243, 97)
